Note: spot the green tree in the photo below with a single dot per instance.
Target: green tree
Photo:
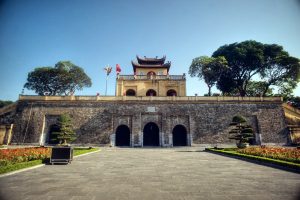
(258, 88)
(250, 58)
(245, 60)
(66, 133)
(286, 89)
(65, 78)
(209, 69)
(241, 132)
(227, 85)
(280, 69)
(5, 103)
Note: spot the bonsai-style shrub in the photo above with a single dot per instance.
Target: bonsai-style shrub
(241, 132)
(65, 134)
(238, 119)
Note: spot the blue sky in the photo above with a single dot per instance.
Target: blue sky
(94, 33)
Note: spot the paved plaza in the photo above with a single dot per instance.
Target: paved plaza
(179, 173)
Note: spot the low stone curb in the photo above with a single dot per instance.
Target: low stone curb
(40, 165)
(256, 161)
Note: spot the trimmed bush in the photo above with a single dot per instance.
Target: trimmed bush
(238, 119)
(241, 132)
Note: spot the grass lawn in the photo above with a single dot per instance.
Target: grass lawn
(22, 165)
(79, 151)
(17, 166)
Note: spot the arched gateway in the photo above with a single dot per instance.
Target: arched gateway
(123, 136)
(179, 136)
(52, 137)
(151, 135)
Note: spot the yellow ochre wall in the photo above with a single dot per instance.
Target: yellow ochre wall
(142, 86)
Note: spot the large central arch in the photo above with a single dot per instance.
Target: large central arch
(122, 136)
(151, 135)
(151, 93)
(130, 92)
(179, 136)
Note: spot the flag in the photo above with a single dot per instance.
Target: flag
(108, 70)
(118, 68)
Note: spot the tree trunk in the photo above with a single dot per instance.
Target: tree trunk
(209, 90)
(265, 90)
(242, 92)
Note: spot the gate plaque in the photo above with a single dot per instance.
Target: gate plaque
(150, 109)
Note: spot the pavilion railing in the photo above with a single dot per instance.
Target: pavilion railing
(151, 77)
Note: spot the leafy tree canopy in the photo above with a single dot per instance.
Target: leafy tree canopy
(279, 69)
(244, 61)
(5, 103)
(258, 88)
(209, 69)
(63, 79)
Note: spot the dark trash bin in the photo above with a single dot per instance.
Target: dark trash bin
(63, 154)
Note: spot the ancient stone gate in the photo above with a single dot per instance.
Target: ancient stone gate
(148, 121)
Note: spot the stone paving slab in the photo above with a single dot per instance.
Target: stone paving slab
(133, 173)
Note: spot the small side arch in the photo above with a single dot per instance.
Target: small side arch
(180, 136)
(122, 136)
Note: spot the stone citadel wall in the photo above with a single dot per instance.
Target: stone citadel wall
(95, 122)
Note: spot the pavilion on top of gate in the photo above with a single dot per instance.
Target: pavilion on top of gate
(151, 78)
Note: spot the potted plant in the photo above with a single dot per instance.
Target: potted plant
(241, 132)
(63, 152)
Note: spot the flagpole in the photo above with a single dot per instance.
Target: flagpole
(106, 85)
(108, 70)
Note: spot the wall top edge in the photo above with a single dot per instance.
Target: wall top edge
(151, 98)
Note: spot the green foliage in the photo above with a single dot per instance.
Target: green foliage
(244, 59)
(17, 166)
(209, 69)
(7, 166)
(232, 68)
(258, 88)
(66, 133)
(241, 132)
(286, 89)
(5, 103)
(65, 78)
(248, 130)
(280, 69)
(79, 151)
(238, 119)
